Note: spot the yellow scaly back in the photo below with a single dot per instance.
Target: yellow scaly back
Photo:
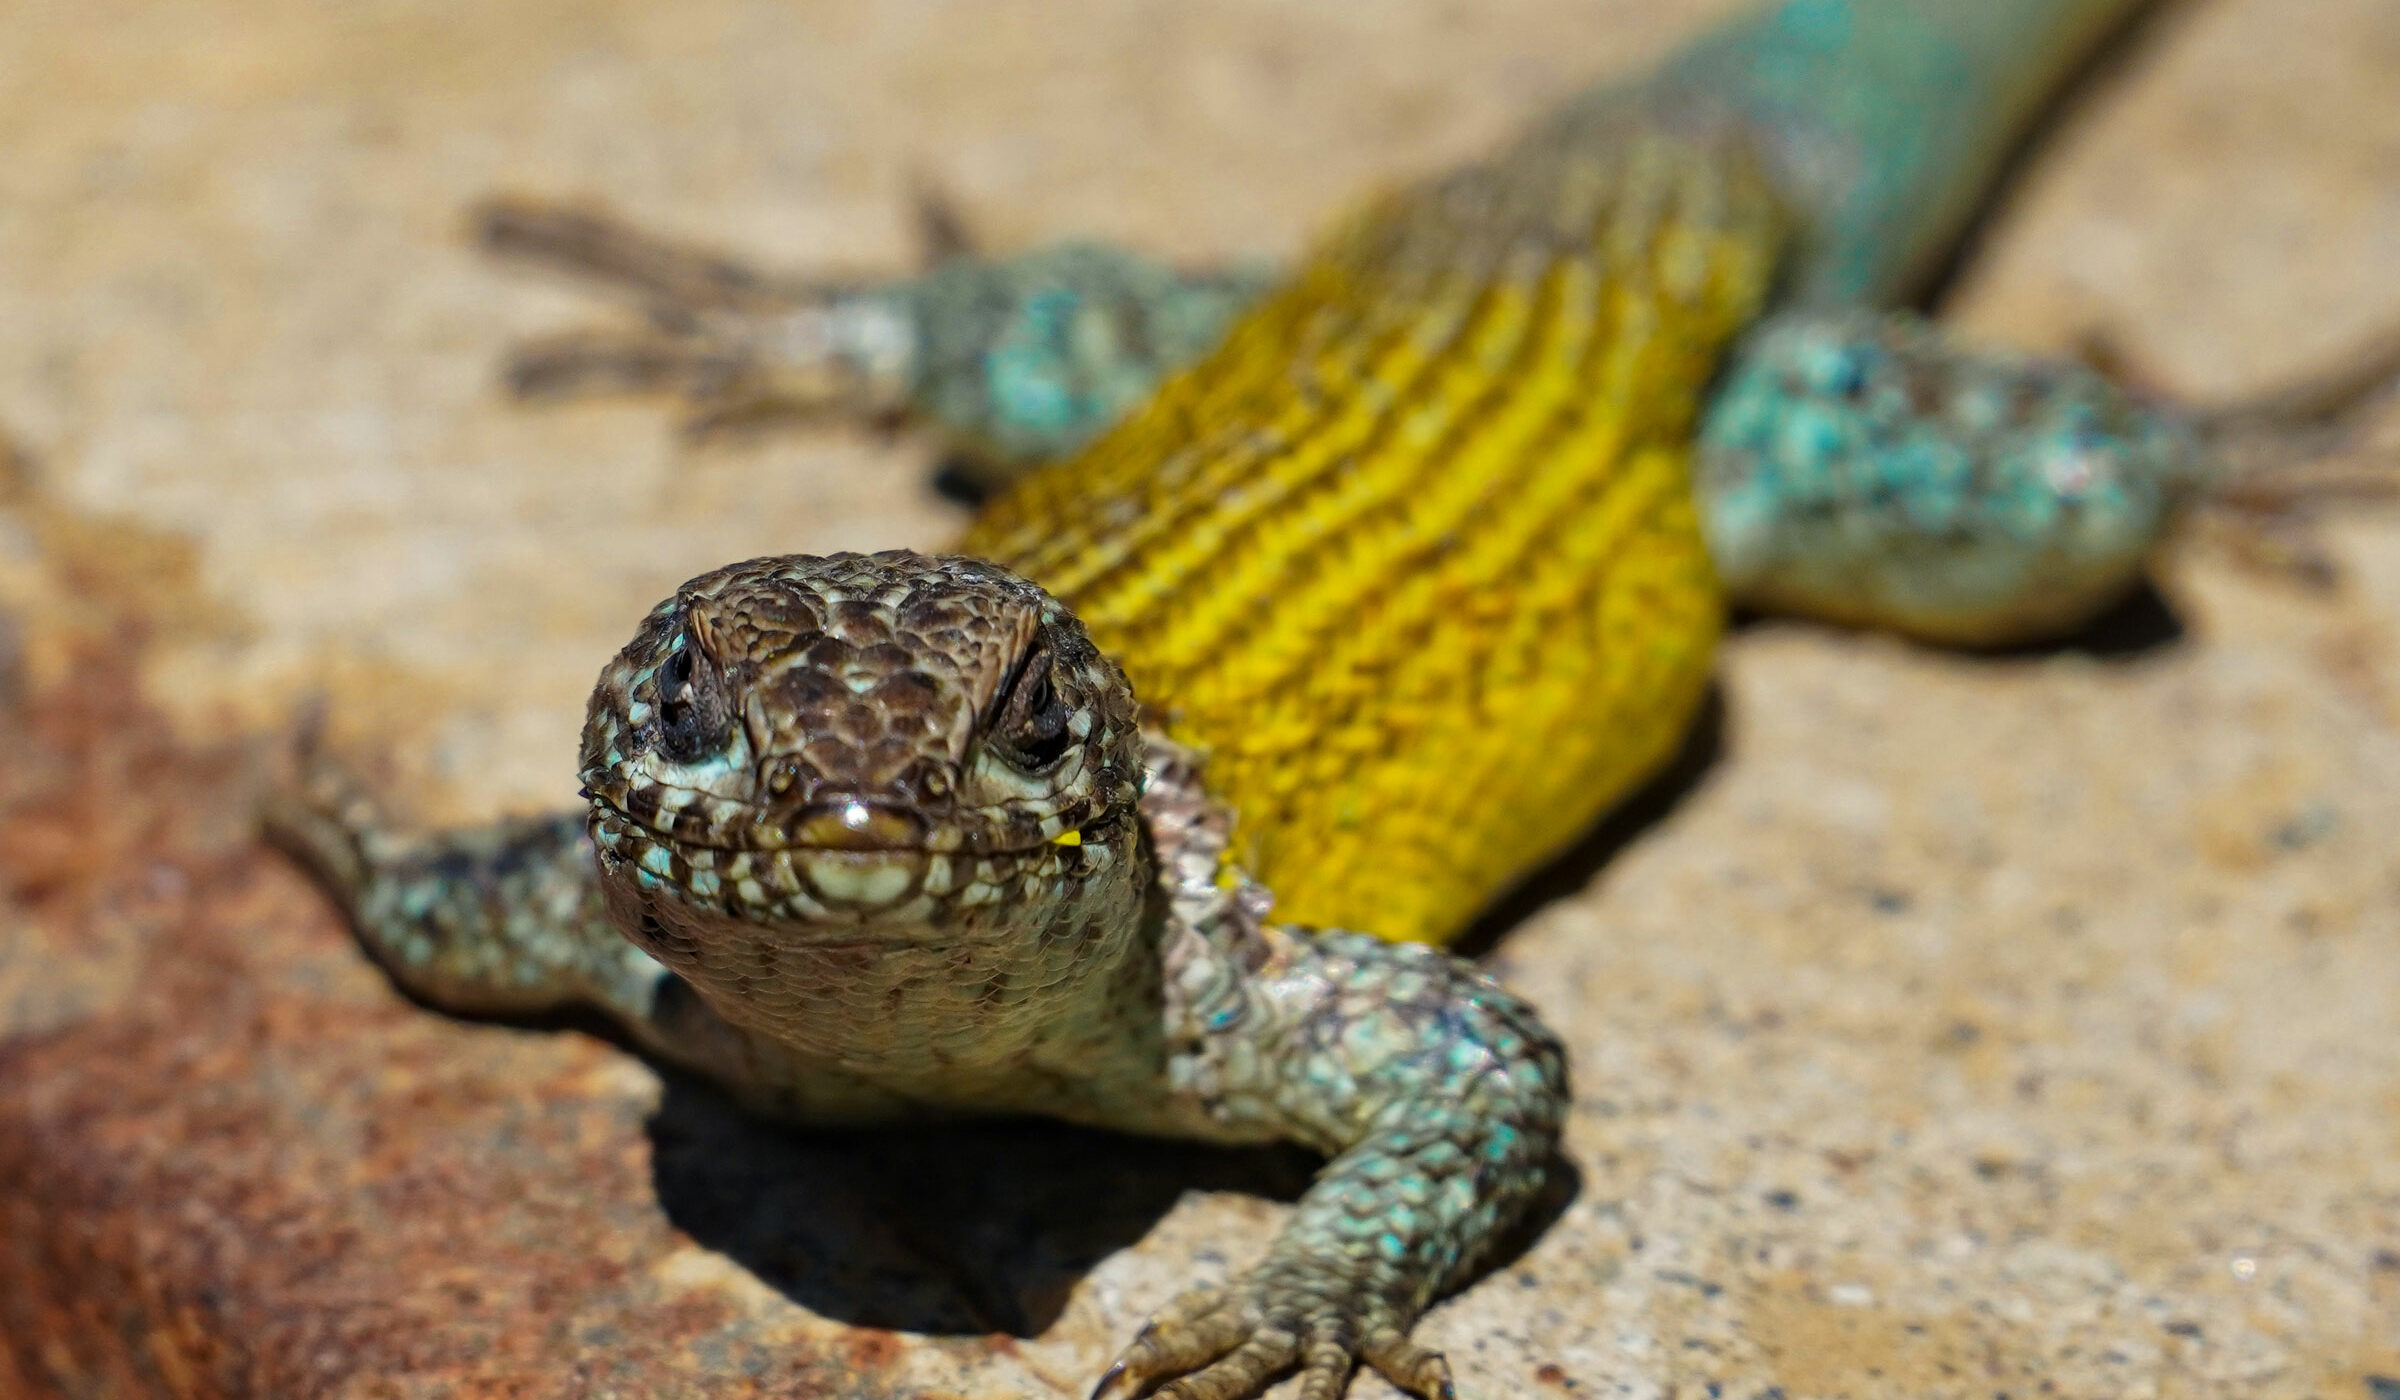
(1412, 557)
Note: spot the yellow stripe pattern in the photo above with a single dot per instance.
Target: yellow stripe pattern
(1412, 557)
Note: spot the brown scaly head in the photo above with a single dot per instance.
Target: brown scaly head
(877, 806)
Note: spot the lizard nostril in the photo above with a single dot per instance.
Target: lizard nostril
(928, 780)
(788, 778)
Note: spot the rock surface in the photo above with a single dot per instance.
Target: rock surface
(1956, 1026)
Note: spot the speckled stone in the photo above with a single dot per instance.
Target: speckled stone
(1961, 1026)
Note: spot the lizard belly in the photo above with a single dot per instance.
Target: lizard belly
(1412, 559)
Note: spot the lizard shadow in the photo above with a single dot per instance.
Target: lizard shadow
(969, 1228)
(2136, 625)
(955, 1229)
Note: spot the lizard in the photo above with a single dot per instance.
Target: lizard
(1409, 581)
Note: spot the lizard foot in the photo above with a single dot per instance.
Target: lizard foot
(743, 348)
(1228, 1343)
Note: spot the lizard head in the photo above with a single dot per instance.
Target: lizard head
(809, 775)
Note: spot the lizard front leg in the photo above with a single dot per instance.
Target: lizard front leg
(1439, 1098)
(508, 919)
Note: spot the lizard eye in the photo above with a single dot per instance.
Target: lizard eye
(692, 716)
(1031, 730)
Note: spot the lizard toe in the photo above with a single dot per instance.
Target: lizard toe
(1240, 1373)
(1196, 1328)
(1229, 1343)
(1413, 1368)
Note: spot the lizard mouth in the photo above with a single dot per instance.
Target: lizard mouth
(796, 883)
(839, 823)
(820, 886)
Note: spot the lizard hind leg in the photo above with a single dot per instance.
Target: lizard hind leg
(1868, 468)
(2280, 460)
(1011, 360)
(741, 347)
(599, 248)
(2293, 456)
(2270, 521)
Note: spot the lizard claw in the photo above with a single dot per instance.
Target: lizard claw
(1411, 1367)
(1228, 1343)
(1115, 1372)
